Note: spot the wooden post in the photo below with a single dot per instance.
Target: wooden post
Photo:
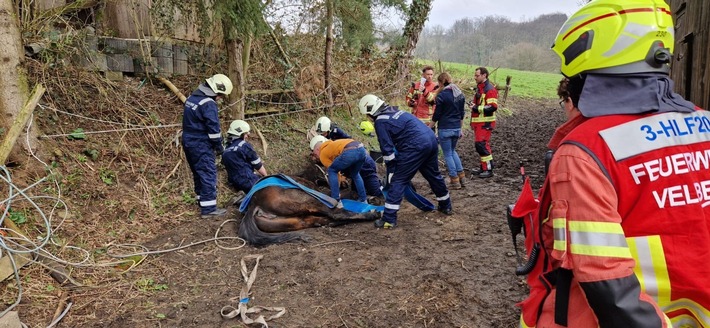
(507, 88)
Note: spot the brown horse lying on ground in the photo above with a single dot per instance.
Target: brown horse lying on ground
(274, 212)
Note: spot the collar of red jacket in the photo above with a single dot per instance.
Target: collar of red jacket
(563, 130)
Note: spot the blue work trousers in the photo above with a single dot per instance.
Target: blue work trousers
(201, 159)
(408, 164)
(349, 162)
(373, 186)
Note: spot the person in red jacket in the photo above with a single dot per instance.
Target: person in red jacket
(621, 237)
(483, 119)
(421, 96)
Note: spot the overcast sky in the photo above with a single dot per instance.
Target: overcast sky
(446, 12)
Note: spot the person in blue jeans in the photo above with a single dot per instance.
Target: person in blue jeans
(450, 103)
(342, 155)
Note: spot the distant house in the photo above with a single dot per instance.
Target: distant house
(692, 50)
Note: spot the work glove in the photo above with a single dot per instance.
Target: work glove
(487, 109)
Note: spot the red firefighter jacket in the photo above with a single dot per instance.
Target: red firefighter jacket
(624, 226)
(424, 102)
(485, 103)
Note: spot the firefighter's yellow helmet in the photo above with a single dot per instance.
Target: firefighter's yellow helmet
(366, 127)
(617, 37)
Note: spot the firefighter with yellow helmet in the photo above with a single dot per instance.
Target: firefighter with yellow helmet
(621, 237)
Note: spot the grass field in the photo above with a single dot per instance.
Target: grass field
(523, 83)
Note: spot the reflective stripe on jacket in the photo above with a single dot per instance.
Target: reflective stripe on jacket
(485, 103)
(200, 121)
(424, 103)
(649, 217)
(241, 160)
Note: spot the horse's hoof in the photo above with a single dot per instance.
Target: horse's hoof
(374, 215)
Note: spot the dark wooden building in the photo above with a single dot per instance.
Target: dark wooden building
(690, 69)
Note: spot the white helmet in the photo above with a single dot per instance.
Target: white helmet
(323, 124)
(370, 105)
(238, 128)
(316, 140)
(220, 83)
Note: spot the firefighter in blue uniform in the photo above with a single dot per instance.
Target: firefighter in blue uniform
(417, 150)
(202, 139)
(240, 159)
(325, 127)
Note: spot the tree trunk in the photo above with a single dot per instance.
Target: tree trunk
(14, 87)
(329, 54)
(403, 52)
(244, 69)
(235, 70)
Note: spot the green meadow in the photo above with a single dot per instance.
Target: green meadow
(522, 84)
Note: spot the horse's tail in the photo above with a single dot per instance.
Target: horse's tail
(249, 231)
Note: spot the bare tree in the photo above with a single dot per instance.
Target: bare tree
(403, 52)
(327, 66)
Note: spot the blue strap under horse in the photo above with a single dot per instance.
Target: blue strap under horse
(284, 181)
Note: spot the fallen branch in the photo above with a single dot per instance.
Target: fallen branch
(60, 306)
(170, 174)
(338, 242)
(263, 140)
(172, 88)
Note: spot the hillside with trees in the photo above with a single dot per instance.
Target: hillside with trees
(495, 41)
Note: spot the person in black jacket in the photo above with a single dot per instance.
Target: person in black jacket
(450, 103)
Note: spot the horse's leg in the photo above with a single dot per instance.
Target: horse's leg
(282, 224)
(344, 215)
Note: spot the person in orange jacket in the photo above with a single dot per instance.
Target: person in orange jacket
(621, 237)
(421, 96)
(341, 156)
(483, 119)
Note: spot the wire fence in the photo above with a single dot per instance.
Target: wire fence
(390, 90)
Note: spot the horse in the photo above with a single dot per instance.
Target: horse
(273, 213)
